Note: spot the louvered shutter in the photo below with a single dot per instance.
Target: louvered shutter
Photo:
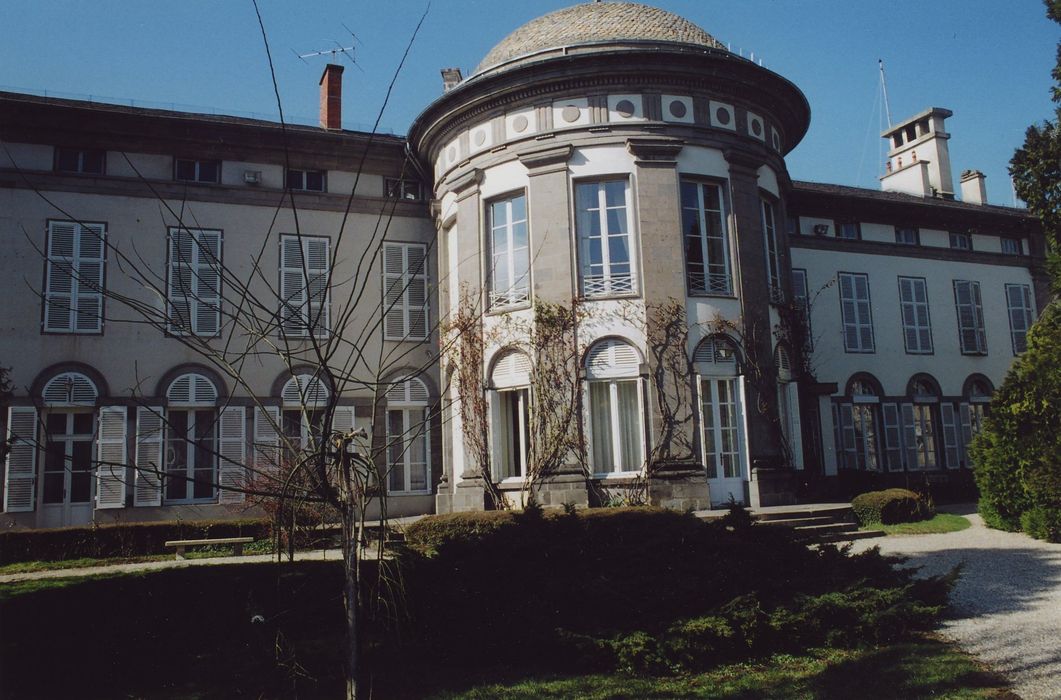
(150, 444)
(950, 435)
(416, 292)
(111, 466)
(266, 438)
(21, 472)
(394, 312)
(181, 280)
(795, 438)
(865, 317)
(74, 277)
(838, 443)
(909, 314)
(511, 369)
(612, 358)
(207, 301)
(316, 251)
(893, 443)
(232, 452)
(847, 435)
(970, 316)
(978, 308)
(59, 292)
(966, 420)
(88, 303)
(292, 287)
(909, 435)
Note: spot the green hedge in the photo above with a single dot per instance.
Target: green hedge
(118, 540)
(891, 506)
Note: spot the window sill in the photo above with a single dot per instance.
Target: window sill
(610, 297)
(617, 476)
(400, 494)
(712, 295)
(860, 352)
(501, 309)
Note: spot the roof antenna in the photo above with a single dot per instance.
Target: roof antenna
(346, 52)
(884, 87)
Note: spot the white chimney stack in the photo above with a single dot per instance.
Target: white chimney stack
(974, 190)
(919, 158)
(451, 78)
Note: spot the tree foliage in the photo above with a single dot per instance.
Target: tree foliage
(1036, 166)
(1018, 454)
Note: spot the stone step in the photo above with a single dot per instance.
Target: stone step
(770, 515)
(800, 522)
(823, 529)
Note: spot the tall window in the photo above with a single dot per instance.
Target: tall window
(302, 419)
(405, 291)
(605, 243)
(73, 287)
(1019, 306)
(919, 420)
(509, 252)
(773, 254)
(971, 334)
(972, 412)
(801, 300)
(721, 416)
(408, 443)
(191, 439)
(707, 266)
(855, 312)
(858, 426)
(304, 293)
(88, 161)
(615, 413)
(194, 281)
(917, 326)
(70, 432)
(510, 415)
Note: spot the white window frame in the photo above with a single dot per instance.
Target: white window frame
(715, 277)
(714, 462)
(518, 291)
(907, 235)
(409, 397)
(67, 438)
(197, 168)
(961, 240)
(82, 154)
(304, 180)
(606, 283)
(300, 315)
(972, 334)
(403, 188)
(78, 269)
(612, 362)
(403, 319)
(1021, 315)
(1011, 246)
(773, 253)
(514, 461)
(189, 470)
(204, 268)
(915, 316)
(860, 317)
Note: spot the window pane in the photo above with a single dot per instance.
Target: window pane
(315, 180)
(396, 450)
(185, 169)
(630, 438)
(208, 171)
(600, 425)
(615, 193)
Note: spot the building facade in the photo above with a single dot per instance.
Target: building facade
(736, 334)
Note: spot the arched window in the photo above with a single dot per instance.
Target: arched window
(616, 415)
(509, 402)
(922, 433)
(408, 437)
(304, 398)
(859, 424)
(721, 417)
(191, 427)
(69, 418)
(977, 393)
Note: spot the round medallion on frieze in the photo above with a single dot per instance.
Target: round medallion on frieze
(452, 153)
(677, 109)
(520, 124)
(480, 138)
(722, 115)
(757, 128)
(625, 108)
(570, 113)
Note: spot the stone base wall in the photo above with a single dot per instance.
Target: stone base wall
(772, 487)
(682, 490)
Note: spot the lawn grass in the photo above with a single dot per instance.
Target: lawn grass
(25, 567)
(941, 523)
(921, 668)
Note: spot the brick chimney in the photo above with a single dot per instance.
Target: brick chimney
(332, 97)
(974, 190)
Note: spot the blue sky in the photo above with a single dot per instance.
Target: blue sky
(987, 60)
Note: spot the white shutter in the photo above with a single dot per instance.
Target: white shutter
(232, 451)
(893, 443)
(795, 437)
(416, 294)
(511, 369)
(266, 438)
(319, 309)
(612, 358)
(111, 467)
(150, 443)
(292, 287)
(73, 299)
(21, 472)
(950, 436)
(909, 435)
(847, 436)
(206, 317)
(394, 292)
(966, 421)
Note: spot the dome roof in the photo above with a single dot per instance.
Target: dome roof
(595, 22)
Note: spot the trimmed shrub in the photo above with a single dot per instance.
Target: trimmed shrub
(1042, 523)
(891, 506)
(699, 643)
(118, 540)
(435, 531)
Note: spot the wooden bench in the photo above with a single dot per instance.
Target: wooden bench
(236, 542)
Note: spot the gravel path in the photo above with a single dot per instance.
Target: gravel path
(1006, 607)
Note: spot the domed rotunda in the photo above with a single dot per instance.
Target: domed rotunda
(615, 160)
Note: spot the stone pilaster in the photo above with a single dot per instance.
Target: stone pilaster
(552, 268)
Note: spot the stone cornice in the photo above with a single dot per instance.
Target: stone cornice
(546, 160)
(898, 250)
(655, 152)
